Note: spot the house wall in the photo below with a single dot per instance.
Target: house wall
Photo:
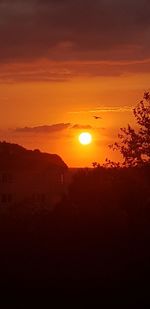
(35, 187)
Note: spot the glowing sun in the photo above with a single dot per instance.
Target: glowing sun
(85, 138)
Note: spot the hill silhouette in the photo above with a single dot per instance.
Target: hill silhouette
(14, 156)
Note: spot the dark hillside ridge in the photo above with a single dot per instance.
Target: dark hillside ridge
(14, 156)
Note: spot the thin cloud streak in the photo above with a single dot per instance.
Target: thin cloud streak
(105, 109)
(63, 71)
(114, 109)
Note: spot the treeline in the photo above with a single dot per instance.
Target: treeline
(96, 239)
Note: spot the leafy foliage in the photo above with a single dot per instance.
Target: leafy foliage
(134, 145)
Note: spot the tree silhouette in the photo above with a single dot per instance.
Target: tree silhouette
(134, 145)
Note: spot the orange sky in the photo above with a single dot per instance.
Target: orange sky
(56, 73)
(73, 102)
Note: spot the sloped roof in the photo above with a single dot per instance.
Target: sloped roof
(16, 157)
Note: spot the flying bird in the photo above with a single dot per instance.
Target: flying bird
(97, 117)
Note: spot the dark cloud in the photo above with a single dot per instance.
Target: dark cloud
(81, 127)
(69, 30)
(44, 129)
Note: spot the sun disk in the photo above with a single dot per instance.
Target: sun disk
(85, 138)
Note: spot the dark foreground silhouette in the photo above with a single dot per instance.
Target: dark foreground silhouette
(95, 242)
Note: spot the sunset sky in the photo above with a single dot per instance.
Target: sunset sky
(63, 62)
